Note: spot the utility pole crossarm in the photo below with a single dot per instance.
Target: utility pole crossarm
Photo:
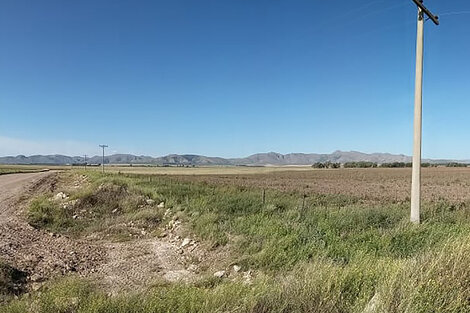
(433, 17)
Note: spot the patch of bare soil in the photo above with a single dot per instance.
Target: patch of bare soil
(139, 263)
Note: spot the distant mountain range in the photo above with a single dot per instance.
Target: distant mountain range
(259, 159)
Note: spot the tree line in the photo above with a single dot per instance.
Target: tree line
(365, 164)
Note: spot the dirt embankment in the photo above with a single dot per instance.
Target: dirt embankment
(36, 252)
(116, 266)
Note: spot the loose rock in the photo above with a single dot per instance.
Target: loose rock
(185, 242)
(247, 278)
(60, 196)
(219, 274)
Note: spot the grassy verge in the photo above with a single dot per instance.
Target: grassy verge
(437, 281)
(331, 254)
(4, 171)
(108, 206)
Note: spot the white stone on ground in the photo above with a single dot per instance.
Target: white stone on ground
(219, 274)
(185, 242)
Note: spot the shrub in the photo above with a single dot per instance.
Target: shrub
(44, 213)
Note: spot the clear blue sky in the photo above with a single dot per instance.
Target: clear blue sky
(230, 78)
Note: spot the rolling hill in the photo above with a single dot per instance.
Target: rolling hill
(259, 159)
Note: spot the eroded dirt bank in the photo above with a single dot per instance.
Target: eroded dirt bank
(128, 265)
(38, 253)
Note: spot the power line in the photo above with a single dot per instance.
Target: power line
(351, 20)
(454, 13)
(381, 10)
(359, 9)
(353, 15)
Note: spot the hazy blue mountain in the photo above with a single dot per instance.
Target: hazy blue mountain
(270, 158)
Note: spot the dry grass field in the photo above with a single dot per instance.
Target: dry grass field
(203, 170)
(10, 169)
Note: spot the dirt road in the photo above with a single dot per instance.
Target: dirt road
(37, 252)
(12, 186)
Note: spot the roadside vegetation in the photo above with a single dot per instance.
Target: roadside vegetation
(6, 169)
(105, 208)
(321, 253)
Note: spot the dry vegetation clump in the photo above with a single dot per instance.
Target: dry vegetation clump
(101, 208)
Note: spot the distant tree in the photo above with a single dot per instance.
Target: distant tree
(455, 164)
(397, 164)
(334, 165)
(326, 165)
(360, 164)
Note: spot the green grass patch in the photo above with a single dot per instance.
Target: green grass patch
(45, 213)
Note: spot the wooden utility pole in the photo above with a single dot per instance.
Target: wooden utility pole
(416, 169)
(102, 163)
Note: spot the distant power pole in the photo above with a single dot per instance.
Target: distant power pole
(102, 163)
(416, 171)
(85, 160)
